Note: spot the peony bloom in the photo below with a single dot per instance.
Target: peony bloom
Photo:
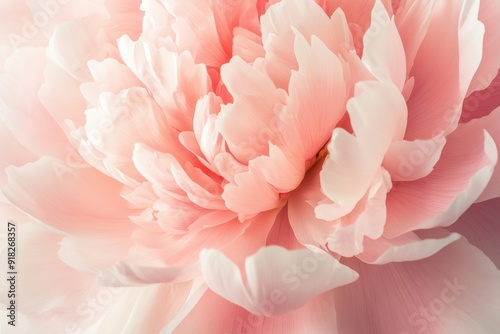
(249, 166)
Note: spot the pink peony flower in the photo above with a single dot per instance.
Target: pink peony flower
(249, 166)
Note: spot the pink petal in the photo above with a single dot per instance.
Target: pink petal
(367, 219)
(412, 160)
(250, 122)
(278, 39)
(266, 272)
(208, 137)
(206, 28)
(406, 247)
(67, 109)
(490, 124)
(220, 316)
(412, 21)
(40, 251)
(13, 153)
(462, 173)
(96, 206)
(157, 305)
(239, 194)
(90, 254)
(60, 12)
(76, 42)
(442, 78)
(178, 178)
(247, 45)
(24, 115)
(109, 76)
(127, 274)
(282, 234)
(317, 96)
(354, 160)
(482, 103)
(174, 80)
(383, 52)
(490, 62)
(455, 291)
(480, 225)
(114, 126)
(308, 229)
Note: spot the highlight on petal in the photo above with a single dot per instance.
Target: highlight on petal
(317, 96)
(126, 274)
(458, 179)
(406, 247)
(297, 276)
(355, 159)
(413, 160)
(383, 52)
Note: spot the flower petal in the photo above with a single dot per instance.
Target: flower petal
(317, 96)
(444, 68)
(82, 201)
(411, 160)
(297, 275)
(480, 225)
(221, 316)
(456, 291)
(464, 170)
(383, 52)
(354, 160)
(406, 247)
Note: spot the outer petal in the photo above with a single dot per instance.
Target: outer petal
(480, 224)
(462, 173)
(412, 21)
(411, 160)
(26, 117)
(220, 316)
(443, 68)
(82, 201)
(91, 42)
(52, 295)
(406, 247)
(12, 152)
(489, 123)
(125, 274)
(490, 62)
(144, 309)
(455, 291)
(297, 276)
(482, 103)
